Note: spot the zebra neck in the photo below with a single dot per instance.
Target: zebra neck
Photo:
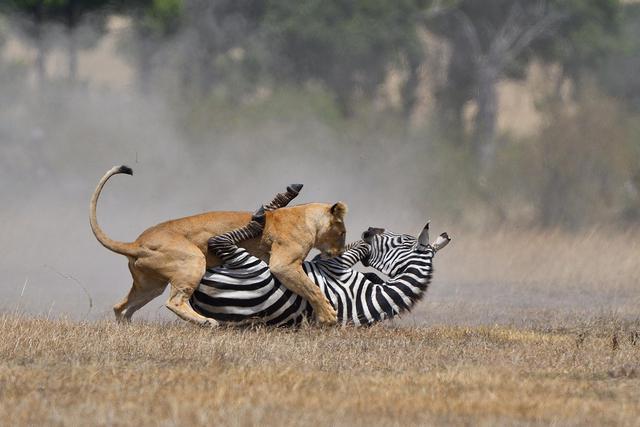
(361, 300)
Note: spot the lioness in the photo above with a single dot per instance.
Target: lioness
(176, 252)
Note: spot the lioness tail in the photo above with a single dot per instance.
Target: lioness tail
(123, 248)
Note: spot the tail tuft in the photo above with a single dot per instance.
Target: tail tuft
(125, 169)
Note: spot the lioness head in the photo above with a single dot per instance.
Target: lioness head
(332, 232)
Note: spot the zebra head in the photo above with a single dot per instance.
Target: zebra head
(392, 253)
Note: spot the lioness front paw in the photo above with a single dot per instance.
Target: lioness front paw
(327, 316)
(209, 323)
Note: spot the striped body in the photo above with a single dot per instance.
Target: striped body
(244, 290)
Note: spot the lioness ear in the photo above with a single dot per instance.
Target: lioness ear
(339, 210)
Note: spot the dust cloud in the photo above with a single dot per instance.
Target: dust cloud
(55, 145)
(54, 152)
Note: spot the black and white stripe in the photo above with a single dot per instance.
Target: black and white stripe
(244, 290)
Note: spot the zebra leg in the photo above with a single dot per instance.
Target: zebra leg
(353, 253)
(282, 199)
(225, 245)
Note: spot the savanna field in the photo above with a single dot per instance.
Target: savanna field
(512, 125)
(68, 373)
(501, 341)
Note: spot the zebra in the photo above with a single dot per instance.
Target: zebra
(243, 290)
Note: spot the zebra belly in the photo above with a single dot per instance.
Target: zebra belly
(248, 295)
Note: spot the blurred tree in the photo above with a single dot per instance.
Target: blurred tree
(348, 45)
(582, 162)
(71, 13)
(68, 12)
(153, 22)
(495, 39)
(588, 35)
(618, 75)
(488, 39)
(618, 69)
(222, 46)
(3, 32)
(33, 17)
(211, 40)
(12, 80)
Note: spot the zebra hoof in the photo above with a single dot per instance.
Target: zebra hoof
(294, 188)
(259, 216)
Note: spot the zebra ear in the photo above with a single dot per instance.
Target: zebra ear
(442, 241)
(368, 235)
(423, 239)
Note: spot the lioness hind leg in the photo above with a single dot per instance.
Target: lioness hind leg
(141, 300)
(182, 264)
(184, 280)
(143, 290)
(119, 308)
(181, 291)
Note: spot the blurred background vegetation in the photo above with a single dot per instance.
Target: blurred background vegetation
(527, 112)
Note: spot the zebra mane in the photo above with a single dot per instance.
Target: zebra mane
(352, 245)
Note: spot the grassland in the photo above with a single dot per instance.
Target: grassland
(57, 372)
(518, 328)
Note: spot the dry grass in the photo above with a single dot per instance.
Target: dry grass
(532, 328)
(58, 372)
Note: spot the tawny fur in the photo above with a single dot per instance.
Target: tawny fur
(175, 252)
